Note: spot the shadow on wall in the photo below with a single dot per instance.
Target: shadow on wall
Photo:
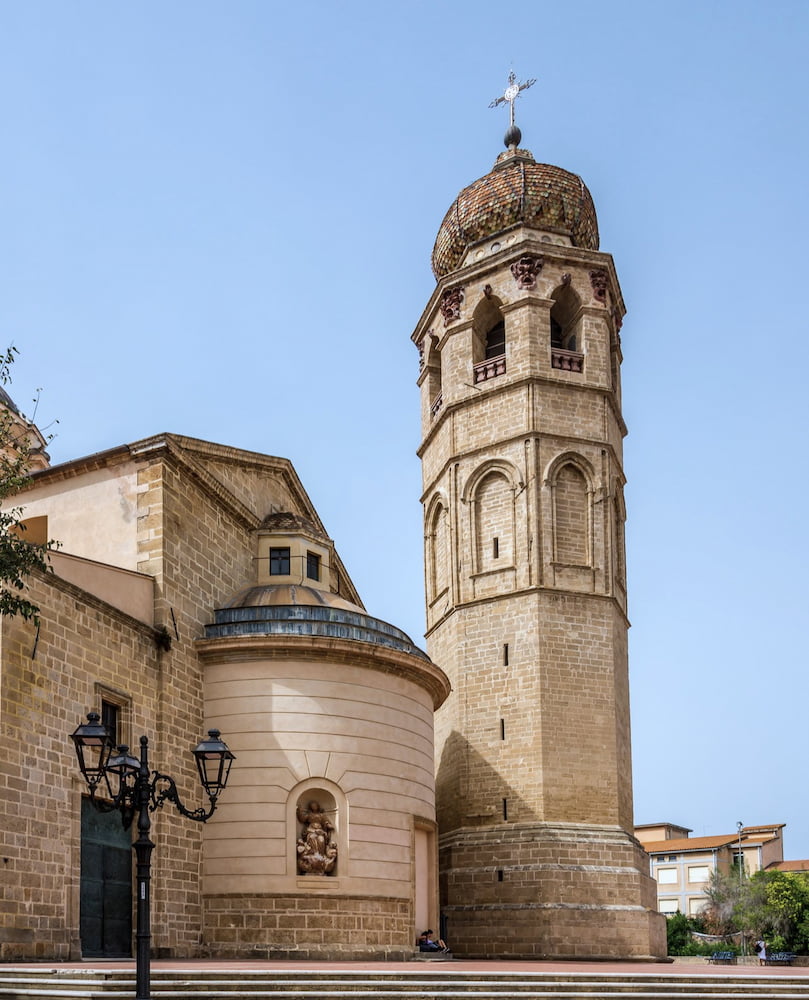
(471, 792)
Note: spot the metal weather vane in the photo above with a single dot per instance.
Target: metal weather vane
(511, 93)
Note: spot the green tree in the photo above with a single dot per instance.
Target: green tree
(18, 557)
(779, 909)
(679, 935)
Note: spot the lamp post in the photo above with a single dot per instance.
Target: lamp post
(134, 790)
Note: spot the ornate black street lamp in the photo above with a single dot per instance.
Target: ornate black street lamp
(134, 790)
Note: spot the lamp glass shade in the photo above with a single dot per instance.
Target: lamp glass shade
(120, 771)
(93, 748)
(213, 763)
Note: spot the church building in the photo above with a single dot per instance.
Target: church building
(376, 790)
(196, 587)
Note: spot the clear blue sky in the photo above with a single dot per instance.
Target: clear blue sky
(217, 218)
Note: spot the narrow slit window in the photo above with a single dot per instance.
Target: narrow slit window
(502, 729)
(496, 548)
(505, 808)
(499, 874)
(505, 654)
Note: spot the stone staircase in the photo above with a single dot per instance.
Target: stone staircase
(50, 983)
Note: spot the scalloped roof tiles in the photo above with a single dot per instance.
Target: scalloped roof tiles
(517, 190)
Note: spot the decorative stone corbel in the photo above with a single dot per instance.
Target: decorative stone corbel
(598, 279)
(451, 304)
(526, 270)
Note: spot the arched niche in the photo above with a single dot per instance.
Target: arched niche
(437, 548)
(333, 805)
(619, 522)
(570, 479)
(490, 492)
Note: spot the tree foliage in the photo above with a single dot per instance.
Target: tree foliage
(17, 555)
(680, 938)
(772, 905)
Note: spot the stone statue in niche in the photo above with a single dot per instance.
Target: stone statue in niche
(317, 852)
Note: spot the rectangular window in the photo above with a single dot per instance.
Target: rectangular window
(313, 565)
(505, 654)
(110, 718)
(668, 906)
(502, 729)
(279, 562)
(698, 873)
(496, 548)
(667, 876)
(696, 904)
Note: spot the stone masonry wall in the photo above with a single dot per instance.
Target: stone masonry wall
(332, 928)
(534, 891)
(49, 680)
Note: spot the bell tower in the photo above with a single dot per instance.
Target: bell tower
(523, 481)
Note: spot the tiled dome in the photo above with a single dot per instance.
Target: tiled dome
(518, 190)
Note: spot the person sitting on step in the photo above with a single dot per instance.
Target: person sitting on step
(426, 943)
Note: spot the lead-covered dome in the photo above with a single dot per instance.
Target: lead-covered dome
(284, 609)
(517, 190)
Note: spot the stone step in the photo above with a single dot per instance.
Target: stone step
(50, 984)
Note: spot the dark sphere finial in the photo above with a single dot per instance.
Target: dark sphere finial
(512, 137)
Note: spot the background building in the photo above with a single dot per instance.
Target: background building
(682, 865)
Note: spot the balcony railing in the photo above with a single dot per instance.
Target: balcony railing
(490, 368)
(567, 361)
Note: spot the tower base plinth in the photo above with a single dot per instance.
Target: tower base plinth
(549, 891)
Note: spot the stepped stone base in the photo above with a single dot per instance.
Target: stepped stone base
(549, 891)
(308, 927)
(322, 984)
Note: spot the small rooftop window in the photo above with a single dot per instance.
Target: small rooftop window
(279, 562)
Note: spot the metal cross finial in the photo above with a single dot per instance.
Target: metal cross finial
(512, 92)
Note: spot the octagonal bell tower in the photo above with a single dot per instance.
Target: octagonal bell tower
(525, 574)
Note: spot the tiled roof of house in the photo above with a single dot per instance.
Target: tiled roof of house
(690, 844)
(790, 866)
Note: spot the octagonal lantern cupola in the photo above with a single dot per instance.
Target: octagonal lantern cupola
(292, 550)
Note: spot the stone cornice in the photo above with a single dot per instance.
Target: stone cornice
(536, 589)
(524, 433)
(477, 272)
(415, 669)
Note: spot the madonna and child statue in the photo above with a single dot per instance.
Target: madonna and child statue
(317, 852)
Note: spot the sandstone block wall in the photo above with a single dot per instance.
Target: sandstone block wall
(329, 928)
(84, 650)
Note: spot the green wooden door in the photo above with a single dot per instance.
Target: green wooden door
(106, 885)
